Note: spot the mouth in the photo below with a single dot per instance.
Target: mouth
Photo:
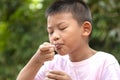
(61, 49)
(58, 46)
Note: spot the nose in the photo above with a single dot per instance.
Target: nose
(55, 36)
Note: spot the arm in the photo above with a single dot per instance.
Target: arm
(44, 53)
(30, 70)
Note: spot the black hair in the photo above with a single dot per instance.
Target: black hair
(78, 8)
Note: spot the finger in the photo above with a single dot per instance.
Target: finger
(57, 72)
(48, 78)
(49, 56)
(54, 76)
(50, 51)
(58, 75)
(46, 47)
(46, 43)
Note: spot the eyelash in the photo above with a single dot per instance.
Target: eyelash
(62, 28)
(50, 32)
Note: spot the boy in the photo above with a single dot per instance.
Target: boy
(69, 28)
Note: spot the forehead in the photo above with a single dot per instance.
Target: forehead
(60, 15)
(58, 18)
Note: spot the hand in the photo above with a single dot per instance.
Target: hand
(46, 52)
(57, 75)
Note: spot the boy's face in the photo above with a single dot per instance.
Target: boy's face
(64, 32)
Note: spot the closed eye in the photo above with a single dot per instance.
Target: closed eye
(62, 28)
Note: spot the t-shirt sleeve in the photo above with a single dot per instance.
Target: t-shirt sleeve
(43, 70)
(41, 74)
(112, 69)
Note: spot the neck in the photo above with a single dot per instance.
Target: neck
(82, 54)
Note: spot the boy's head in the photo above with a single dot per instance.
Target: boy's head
(77, 8)
(68, 19)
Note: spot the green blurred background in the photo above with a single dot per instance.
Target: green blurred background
(23, 29)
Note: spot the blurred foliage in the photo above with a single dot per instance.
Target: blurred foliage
(23, 28)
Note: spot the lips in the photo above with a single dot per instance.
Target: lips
(58, 46)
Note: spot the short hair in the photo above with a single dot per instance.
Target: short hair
(79, 10)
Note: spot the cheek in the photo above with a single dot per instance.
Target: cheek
(72, 41)
(70, 36)
(68, 41)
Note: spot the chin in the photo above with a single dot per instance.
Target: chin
(62, 53)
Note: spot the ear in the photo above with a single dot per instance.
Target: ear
(87, 28)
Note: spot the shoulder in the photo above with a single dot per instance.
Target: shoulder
(107, 58)
(111, 68)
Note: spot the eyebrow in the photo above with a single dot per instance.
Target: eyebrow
(49, 27)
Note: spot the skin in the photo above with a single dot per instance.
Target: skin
(66, 37)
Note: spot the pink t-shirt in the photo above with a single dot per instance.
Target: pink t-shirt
(101, 66)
